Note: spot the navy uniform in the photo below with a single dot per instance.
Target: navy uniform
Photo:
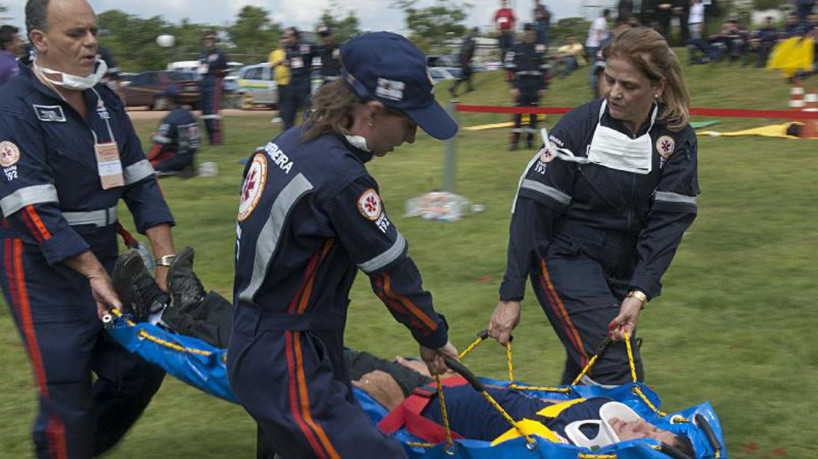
(310, 216)
(54, 208)
(330, 54)
(526, 61)
(591, 229)
(176, 142)
(299, 60)
(212, 68)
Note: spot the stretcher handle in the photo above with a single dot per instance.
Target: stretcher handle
(485, 334)
(465, 373)
(708, 432)
(672, 452)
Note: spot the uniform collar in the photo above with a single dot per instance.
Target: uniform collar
(362, 155)
(613, 123)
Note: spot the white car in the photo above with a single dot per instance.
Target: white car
(257, 85)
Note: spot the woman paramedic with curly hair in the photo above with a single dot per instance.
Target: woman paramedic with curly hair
(600, 212)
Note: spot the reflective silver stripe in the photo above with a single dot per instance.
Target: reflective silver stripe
(138, 171)
(100, 218)
(551, 192)
(390, 255)
(27, 196)
(211, 117)
(331, 78)
(161, 139)
(529, 73)
(267, 241)
(675, 197)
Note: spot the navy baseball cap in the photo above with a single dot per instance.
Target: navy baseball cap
(387, 67)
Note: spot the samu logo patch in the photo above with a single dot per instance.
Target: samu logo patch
(49, 113)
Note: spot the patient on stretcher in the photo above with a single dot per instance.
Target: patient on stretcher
(593, 422)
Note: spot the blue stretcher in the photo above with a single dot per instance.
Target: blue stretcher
(204, 367)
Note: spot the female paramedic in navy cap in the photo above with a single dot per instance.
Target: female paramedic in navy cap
(600, 212)
(310, 216)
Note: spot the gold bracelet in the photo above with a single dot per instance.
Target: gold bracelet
(165, 260)
(639, 295)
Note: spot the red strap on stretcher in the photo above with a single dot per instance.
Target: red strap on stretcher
(409, 414)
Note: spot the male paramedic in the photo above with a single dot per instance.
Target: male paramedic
(176, 140)
(69, 153)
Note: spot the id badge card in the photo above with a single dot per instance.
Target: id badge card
(108, 165)
(296, 63)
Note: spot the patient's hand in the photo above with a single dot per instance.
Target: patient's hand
(420, 367)
(382, 387)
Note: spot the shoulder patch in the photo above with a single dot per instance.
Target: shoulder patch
(49, 113)
(665, 145)
(369, 205)
(253, 186)
(9, 154)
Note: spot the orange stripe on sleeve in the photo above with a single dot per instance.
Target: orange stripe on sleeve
(38, 223)
(31, 228)
(387, 287)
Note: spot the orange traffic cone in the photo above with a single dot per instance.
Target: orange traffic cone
(796, 96)
(811, 105)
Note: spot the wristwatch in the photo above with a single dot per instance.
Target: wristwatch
(639, 295)
(165, 260)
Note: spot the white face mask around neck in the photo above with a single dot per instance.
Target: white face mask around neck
(74, 82)
(613, 149)
(358, 142)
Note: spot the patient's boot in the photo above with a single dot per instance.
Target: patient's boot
(185, 288)
(136, 288)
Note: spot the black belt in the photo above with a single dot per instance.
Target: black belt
(282, 321)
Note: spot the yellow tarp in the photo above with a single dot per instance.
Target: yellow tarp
(776, 130)
(792, 55)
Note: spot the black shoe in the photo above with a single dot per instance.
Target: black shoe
(185, 288)
(136, 288)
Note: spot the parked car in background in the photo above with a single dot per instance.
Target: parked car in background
(145, 89)
(441, 73)
(257, 86)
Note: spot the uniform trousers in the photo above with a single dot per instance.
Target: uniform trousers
(295, 385)
(580, 284)
(56, 315)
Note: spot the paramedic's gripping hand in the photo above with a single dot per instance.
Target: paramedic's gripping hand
(102, 288)
(506, 316)
(434, 357)
(626, 320)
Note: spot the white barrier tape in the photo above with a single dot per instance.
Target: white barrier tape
(796, 91)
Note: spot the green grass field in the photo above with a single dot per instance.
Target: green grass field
(732, 326)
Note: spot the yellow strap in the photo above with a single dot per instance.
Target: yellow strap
(443, 412)
(508, 418)
(472, 346)
(562, 390)
(630, 356)
(145, 335)
(527, 427)
(552, 411)
(510, 365)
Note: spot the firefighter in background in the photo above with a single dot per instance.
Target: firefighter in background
(526, 63)
(330, 53)
(177, 139)
(299, 61)
(212, 68)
